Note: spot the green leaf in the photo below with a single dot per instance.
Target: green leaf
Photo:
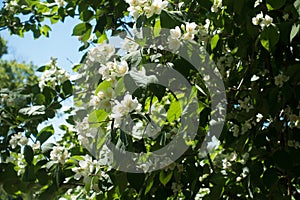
(174, 111)
(97, 116)
(270, 177)
(42, 176)
(134, 58)
(214, 41)
(45, 133)
(81, 29)
(33, 110)
(171, 19)
(157, 28)
(149, 184)
(43, 68)
(28, 154)
(67, 88)
(297, 7)
(269, 37)
(102, 38)
(45, 30)
(39, 99)
(165, 176)
(141, 79)
(29, 174)
(275, 4)
(103, 86)
(140, 21)
(135, 180)
(294, 31)
(86, 15)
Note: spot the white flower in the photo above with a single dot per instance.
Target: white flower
(123, 108)
(263, 21)
(217, 4)
(83, 125)
(256, 20)
(188, 37)
(148, 11)
(18, 140)
(11, 6)
(36, 146)
(121, 69)
(173, 44)
(23, 141)
(293, 143)
(259, 117)
(87, 167)
(21, 164)
(280, 79)
(138, 130)
(213, 144)
(247, 126)
(95, 101)
(104, 71)
(133, 2)
(101, 53)
(129, 45)
(158, 5)
(175, 33)
(191, 28)
(257, 2)
(285, 16)
(134, 11)
(176, 187)
(60, 3)
(245, 104)
(235, 130)
(59, 154)
(254, 78)
(266, 21)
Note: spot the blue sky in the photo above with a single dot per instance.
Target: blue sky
(60, 44)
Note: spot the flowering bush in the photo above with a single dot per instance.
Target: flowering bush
(158, 88)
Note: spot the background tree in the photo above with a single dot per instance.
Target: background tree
(255, 45)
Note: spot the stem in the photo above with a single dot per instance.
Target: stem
(210, 161)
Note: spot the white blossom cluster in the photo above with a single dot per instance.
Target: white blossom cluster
(129, 45)
(101, 53)
(8, 99)
(176, 187)
(261, 20)
(292, 118)
(78, 192)
(21, 164)
(257, 3)
(113, 69)
(293, 143)
(53, 76)
(60, 3)
(59, 154)
(216, 6)
(176, 36)
(245, 104)
(243, 175)
(122, 108)
(87, 167)
(11, 6)
(19, 160)
(280, 79)
(147, 7)
(85, 132)
(236, 131)
(18, 140)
